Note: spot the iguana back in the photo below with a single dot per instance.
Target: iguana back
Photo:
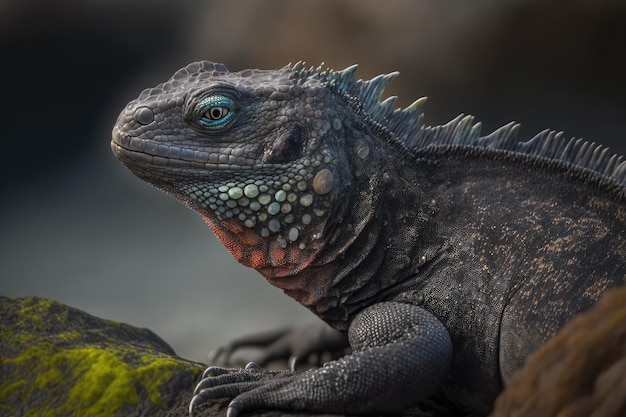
(446, 255)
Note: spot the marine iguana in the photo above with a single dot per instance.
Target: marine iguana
(446, 256)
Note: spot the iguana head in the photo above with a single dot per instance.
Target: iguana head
(266, 157)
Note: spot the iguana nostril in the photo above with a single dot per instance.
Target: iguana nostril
(143, 115)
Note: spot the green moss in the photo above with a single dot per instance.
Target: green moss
(64, 362)
(9, 388)
(155, 373)
(102, 381)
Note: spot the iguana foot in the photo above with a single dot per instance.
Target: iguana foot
(310, 343)
(401, 355)
(218, 382)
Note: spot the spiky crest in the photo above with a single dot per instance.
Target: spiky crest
(407, 128)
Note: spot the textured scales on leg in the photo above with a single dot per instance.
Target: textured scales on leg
(438, 239)
(399, 344)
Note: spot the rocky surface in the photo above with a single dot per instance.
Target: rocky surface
(579, 372)
(59, 361)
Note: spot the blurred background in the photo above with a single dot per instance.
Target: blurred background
(76, 227)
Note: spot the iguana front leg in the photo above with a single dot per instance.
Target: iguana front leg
(401, 354)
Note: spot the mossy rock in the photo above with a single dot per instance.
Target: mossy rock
(60, 361)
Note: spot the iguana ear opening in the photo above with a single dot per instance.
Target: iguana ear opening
(286, 147)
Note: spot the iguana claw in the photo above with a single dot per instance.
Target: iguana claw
(293, 363)
(197, 399)
(234, 408)
(213, 371)
(220, 382)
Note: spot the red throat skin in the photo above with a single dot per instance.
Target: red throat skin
(283, 267)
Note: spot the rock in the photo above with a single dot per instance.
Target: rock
(579, 372)
(60, 361)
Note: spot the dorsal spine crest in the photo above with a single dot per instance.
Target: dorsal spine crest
(407, 129)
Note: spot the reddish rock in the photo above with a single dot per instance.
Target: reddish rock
(580, 372)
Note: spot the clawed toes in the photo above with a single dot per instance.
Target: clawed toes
(198, 399)
(234, 408)
(212, 393)
(229, 384)
(214, 371)
(220, 382)
(203, 384)
(208, 378)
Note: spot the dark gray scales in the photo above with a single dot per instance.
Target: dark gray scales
(447, 257)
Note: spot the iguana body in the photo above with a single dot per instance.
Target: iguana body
(447, 257)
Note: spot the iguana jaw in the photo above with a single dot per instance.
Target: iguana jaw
(266, 225)
(284, 238)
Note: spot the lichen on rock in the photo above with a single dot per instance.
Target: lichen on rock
(59, 361)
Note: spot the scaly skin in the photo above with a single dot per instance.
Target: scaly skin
(447, 257)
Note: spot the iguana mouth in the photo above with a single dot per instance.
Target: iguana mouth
(155, 154)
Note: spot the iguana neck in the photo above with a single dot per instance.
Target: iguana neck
(371, 244)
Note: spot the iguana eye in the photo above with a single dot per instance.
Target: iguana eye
(215, 111)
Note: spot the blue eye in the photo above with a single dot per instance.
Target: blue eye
(215, 111)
